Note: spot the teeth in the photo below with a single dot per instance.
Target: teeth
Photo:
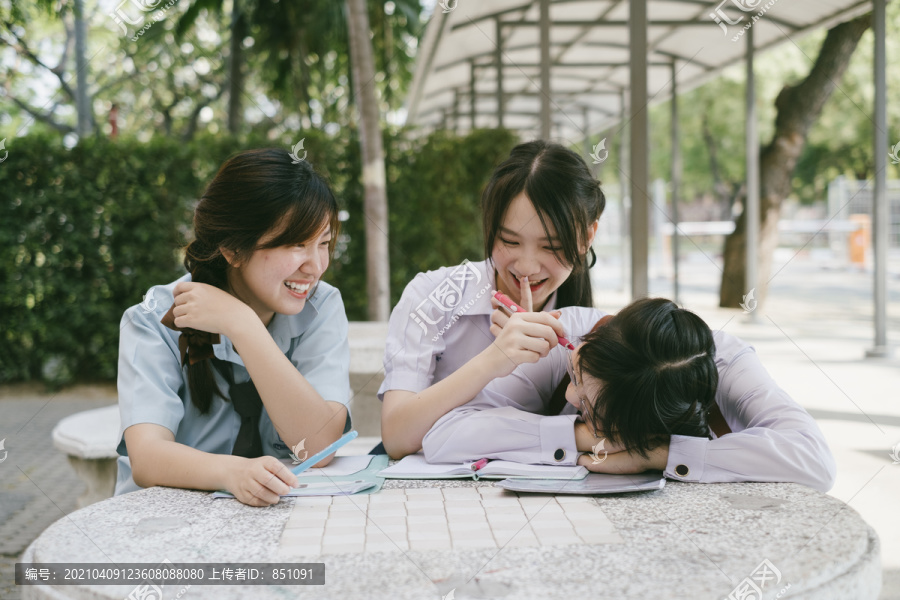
(297, 287)
(532, 283)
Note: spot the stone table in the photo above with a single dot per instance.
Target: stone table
(424, 539)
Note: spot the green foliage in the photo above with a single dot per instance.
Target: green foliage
(434, 188)
(85, 232)
(839, 143)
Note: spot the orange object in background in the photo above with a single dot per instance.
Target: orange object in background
(860, 239)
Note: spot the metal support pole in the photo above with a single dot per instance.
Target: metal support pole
(640, 148)
(472, 91)
(676, 180)
(586, 147)
(751, 208)
(880, 214)
(498, 61)
(456, 111)
(545, 69)
(625, 218)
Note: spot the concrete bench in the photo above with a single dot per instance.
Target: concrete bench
(89, 438)
(367, 341)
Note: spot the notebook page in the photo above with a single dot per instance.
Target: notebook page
(415, 466)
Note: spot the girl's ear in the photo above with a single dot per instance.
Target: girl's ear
(591, 231)
(604, 320)
(229, 256)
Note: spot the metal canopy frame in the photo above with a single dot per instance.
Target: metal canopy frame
(477, 52)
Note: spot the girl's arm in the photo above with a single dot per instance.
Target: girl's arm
(774, 438)
(407, 416)
(149, 380)
(297, 410)
(157, 459)
(506, 420)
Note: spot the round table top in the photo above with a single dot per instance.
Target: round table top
(425, 539)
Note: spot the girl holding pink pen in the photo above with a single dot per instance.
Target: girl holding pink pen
(448, 337)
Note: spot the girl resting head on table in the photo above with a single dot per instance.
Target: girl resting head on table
(228, 368)
(651, 388)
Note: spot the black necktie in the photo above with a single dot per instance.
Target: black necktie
(248, 405)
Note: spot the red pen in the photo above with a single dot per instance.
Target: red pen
(479, 464)
(513, 307)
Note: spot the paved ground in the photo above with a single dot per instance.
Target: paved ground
(811, 334)
(37, 485)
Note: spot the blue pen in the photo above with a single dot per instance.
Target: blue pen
(328, 450)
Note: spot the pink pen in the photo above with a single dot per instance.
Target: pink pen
(513, 307)
(479, 464)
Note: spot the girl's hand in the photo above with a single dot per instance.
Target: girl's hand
(522, 336)
(259, 481)
(207, 308)
(627, 462)
(586, 442)
(525, 338)
(500, 317)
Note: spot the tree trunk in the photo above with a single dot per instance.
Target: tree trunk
(235, 72)
(83, 101)
(373, 175)
(798, 107)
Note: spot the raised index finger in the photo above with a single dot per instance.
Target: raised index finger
(525, 292)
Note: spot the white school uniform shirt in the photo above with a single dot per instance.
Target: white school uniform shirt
(773, 438)
(442, 321)
(153, 385)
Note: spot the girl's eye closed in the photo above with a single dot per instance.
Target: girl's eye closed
(553, 248)
(508, 242)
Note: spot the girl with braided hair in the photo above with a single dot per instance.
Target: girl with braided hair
(245, 357)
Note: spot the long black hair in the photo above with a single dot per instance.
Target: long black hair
(254, 193)
(656, 365)
(565, 195)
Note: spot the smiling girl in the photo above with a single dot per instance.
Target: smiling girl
(447, 339)
(246, 356)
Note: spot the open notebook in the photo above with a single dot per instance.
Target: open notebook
(415, 466)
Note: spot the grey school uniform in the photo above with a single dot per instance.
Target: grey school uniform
(153, 384)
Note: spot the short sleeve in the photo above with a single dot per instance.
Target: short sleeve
(409, 351)
(150, 375)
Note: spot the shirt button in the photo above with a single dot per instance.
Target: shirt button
(682, 470)
(559, 455)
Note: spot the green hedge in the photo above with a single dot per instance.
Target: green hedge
(85, 232)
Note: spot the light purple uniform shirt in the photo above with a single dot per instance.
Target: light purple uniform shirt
(773, 439)
(442, 321)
